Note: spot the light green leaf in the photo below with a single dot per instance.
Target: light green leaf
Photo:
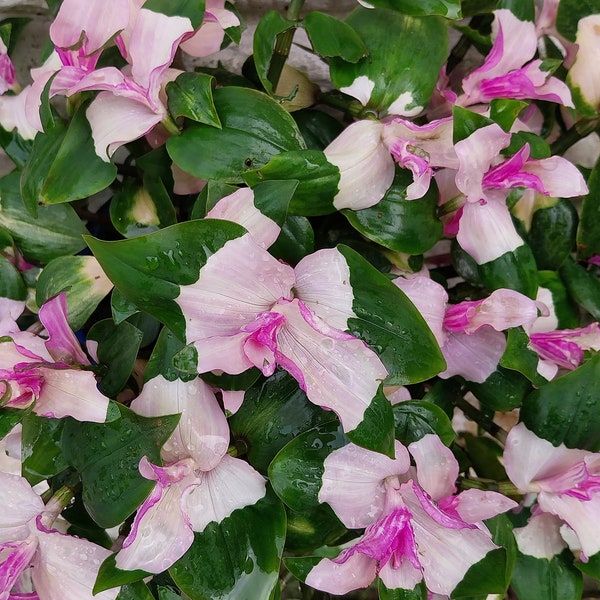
(331, 37)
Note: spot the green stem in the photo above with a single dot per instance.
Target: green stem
(170, 125)
(347, 104)
(294, 8)
(238, 448)
(580, 130)
(504, 487)
(474, 414)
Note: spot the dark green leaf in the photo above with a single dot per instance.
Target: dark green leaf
(107, 456)
(11, 282)
(296, 471)
(110, 576)
(503, 390)
(331, 37)
(524, 10)
(255, 128)
(418, 593)
(406, 54)
(274, 412)
(505, 111)
(467, 122)
(484, 454)
(513, 270)
(16, 148)
(567, 311)
(390, 324)
(135, 591)
(588, 232)
(414, 419)
(81, 278)
(161, 360)
(226, 382)
(567, 410)
(9, 417)
(591, 567)
(236, 558)
(192, 9)
(41, 451)
(317, 180)
(538, 146)
(402, 225)
(56, 231)
(64, 166)
(212, 192)
(121, 308)
(318, 128)
(82, 525)
(149, 269)
(272, 198)
(444, 8)
(519, 357)
(190, 95)
(582, 285)
(295, 241)
(117, 351)
(485, 577)
(569, 14)
(542, 579)
(310, 529)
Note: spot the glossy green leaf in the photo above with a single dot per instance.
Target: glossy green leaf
(110, 576)
(16, 148)
(295, 241)
(236, 558)
(505, 111)
(485, 455)
(107, 456)
(121, 308)
(212, 192)
(270, 26)
(406, 54)
(56, 231)
(190, 96)
(135, 591)
(591, 567)
(255, 128)
(566, 310)
(503, 390)
(11, 282)
(161, 360)
(149, 269)
(272, 198)
(310, 529)
(117, 351)
(414, 419)
(543, 579)
(390, 324)
(466, 122)
(274, 412)
(331, 37)
(80, 522)
(192, 9)
(317, 180)
(582, 285)
(242, 382)
(418, 593)
(297, 469)
(9, 417)
(41, 452)
(409, 226)
(81, 278)
(139, 209)
(513, 270)
(569, 13)
(318, 128)
(444, 8)
(552, 234)
(567, 410)
(524, 10)
(519, 357)
(588, 232)
(64, 166)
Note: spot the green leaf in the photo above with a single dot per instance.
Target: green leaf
(139, 209)
(318, 128)
(135, 591)
(484, 454)
(519, 357)
(11, 282)
(552, 233)
(255, 128)
(444, 8)
(390, 324)
(591, 567)
(505, 111)
(236, 558)
(297, 470)
(41, 451)
(317, 180)
(56, 231)
(418, 593)
(149, 269)
(273, 413)
(503, 390)
(514, 270)
(190, 96)
(16, 148)
(117, 351)
(107, 456)
(582, 285)
(270, 26)
(121, 308)
(409, 226)
(524, 10)
(110, 576)
(466, 122)
(64, 166)
(567, 311)
(272, 198)
(588, 232)
(161, 360)
(414, 419)
(192, 9)
(570, 12)
(331, 37)
(295, 241)
(406, 54)
(81, 278)
(542, 579)
(310, 529)
(567, 410)
(9, 417)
